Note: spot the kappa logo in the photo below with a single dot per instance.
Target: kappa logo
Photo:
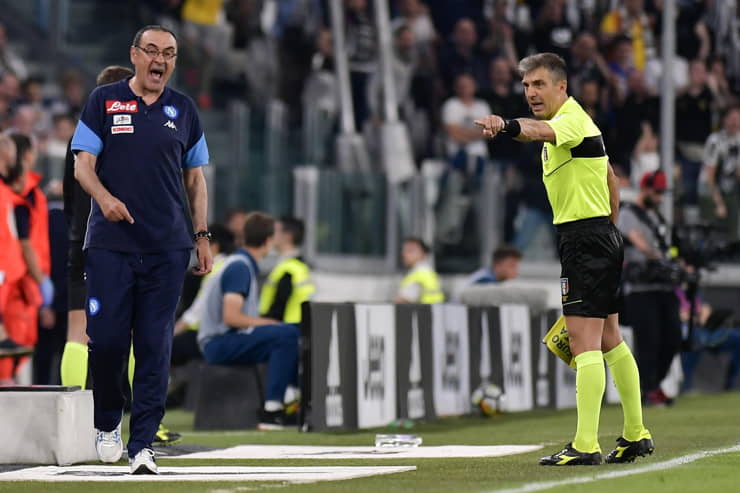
(112, 106)
(121, 119)
(122, 129)
(170, 124)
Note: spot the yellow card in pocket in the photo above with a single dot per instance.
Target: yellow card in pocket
(558, 342)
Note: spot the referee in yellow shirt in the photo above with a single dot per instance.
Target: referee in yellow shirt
(584, 196)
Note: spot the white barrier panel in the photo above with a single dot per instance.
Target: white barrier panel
(376, 365)
(517, 362)
(451, 359)
(52, 427)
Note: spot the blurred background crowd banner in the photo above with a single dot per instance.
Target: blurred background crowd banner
(356, 115)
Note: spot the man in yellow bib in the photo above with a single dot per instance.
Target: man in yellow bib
(584, 196)
(421, 283)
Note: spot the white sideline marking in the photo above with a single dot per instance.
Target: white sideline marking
(658, 466)
(308, 474)
(341, 452)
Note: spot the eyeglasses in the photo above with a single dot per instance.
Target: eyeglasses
(153, 53)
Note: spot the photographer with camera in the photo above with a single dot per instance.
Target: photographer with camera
(649, 280)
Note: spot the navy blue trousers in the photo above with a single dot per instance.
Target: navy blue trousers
(276, 344)
(132, 296)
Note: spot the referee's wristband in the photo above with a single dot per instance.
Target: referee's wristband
(512, 128)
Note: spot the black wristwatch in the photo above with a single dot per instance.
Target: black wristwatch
(202, 234)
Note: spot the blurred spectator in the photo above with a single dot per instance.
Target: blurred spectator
(717, 83)
(421, 283)
(504, 267)
(713, 333)
(724, 23)
(244, 15)
(639, 106)
(592, 102)
(404, 65)
(320, 101)
(10, 87)
(10, 62)
(205, 39)
(500, 39)
(586, 63)
(415, 15)
(693, 126)
(234, 221)
(552, 31)
(645, 157)
(73, 95)
(63, 127)
(622, 66)
(32, 95)
(692, 35)
(721, 168)
(466, 148)
(504, 151)
(631, 21)
(53, 319)
(361, 53)
(461, 56)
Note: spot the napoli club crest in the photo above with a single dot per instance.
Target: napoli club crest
(170, 111)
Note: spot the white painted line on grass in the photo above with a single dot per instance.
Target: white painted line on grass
(305, 474)
(357, 452)
(658, 466)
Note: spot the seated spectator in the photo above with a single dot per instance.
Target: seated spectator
(73, 95)
(421, 284)
(552, 31)
(62, 130)
(712, 333)
(504, 267)
(586, 63)
(233, 333)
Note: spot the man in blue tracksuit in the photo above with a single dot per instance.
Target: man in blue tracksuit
(136, 142)
(232, 332)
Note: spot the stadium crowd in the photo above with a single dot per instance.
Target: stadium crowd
(454, 62)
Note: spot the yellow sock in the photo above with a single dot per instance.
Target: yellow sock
(590, 385)
(626, 377)
(73, 368)
(131, 368)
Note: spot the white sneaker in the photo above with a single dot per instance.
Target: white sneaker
(108, 444)
(143, 462)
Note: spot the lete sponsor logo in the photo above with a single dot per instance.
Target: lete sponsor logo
(114, 106)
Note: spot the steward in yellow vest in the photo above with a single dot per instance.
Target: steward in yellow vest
(289, 284)
(421, 284)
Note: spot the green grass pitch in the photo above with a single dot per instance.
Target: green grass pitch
(694, 424)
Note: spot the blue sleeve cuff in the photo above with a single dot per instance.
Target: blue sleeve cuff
(198, 154)
(86, 140)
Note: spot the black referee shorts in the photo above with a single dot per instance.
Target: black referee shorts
(77, 293)
(591, 256)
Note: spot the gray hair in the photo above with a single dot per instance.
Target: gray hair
(550, 61)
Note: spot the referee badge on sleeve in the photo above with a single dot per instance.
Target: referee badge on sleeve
(564, 287)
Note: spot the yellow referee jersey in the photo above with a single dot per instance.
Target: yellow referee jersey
(574, 169)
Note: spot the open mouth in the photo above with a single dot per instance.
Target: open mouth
(536, 107)
(156, 74)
